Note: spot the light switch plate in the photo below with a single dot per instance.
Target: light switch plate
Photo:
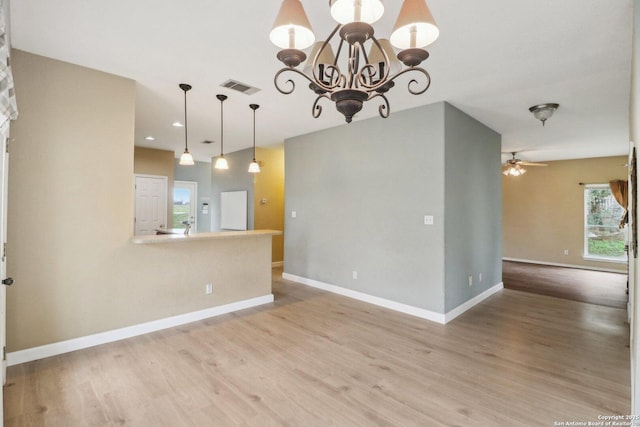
(428, 220)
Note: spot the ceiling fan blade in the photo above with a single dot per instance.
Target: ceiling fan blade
(532, 164)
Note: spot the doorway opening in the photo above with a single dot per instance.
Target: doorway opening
(185, 196)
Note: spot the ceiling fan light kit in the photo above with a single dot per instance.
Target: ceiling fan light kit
(543, 112)
(514, 167)
(358, 75)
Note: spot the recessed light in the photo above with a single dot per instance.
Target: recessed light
(177, 124)
(149, 138)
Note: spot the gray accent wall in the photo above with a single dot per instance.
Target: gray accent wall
(473, 207)
(361, 191)
(236, 178)
(200, 172)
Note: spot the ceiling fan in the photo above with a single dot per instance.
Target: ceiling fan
(514, 167)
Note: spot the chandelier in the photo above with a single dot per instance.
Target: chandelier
(368, 67)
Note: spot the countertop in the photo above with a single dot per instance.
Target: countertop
(181, 237)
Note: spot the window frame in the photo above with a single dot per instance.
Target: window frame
(585, 229)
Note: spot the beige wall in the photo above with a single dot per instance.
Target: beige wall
(70, 210)
(543, 210)
(149, 161)
(269, 184)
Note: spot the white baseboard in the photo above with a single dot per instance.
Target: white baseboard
(555, 264)
(452, 314)
(48, 350)
(393, 305)
(277, 264)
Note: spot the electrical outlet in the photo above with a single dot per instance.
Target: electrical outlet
(208, 288)
(354, 274)
(480, 277)
(294, 214)
(566, 251)
(428, 220)
(470, 280)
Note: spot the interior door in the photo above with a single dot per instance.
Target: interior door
(4, 175)
(150, 204)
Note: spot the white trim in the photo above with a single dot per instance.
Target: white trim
(48, 350)
(555, 264)
(452, 314)
(603, 259)
(277, 264)
(393, 305)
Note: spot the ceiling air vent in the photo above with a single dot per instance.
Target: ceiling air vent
(240, 87)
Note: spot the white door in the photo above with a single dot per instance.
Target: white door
(151, 204)
(185, 203)
(4, 175)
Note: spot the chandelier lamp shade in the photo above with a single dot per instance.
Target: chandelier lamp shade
(221, 162)
(186, 159)
(254, 167)
(363, 67)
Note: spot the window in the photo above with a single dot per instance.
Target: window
(603, 239)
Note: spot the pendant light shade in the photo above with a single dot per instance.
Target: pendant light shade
(415, 26)
(221, 162)
(186, 159)
(254, 167)
(291, 29)
(346, 11)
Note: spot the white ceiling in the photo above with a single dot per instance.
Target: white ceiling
(494, 59)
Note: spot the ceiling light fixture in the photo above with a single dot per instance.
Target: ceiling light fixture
(177, 124)
(221, 162)
(149, 138)
(542, 112)
(186, 159)
(514, 170)
(359, 75)
(254, 167)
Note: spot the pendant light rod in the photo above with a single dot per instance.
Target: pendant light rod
(254, 107)
(222, 98)
(185, 87)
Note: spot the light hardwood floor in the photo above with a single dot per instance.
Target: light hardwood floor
(318, 359)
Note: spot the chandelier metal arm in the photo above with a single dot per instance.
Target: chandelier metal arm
(331, 71)
(384, 109)
(289, 81)
(413, 81)
(316, 109)
(371, 71)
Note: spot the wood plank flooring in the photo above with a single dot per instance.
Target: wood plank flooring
(594, 287)
(319, 359)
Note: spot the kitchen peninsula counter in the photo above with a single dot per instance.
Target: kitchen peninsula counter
(215, 235)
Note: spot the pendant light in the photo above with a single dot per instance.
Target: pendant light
(254, 167)
(221, 162)
(186, 159)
